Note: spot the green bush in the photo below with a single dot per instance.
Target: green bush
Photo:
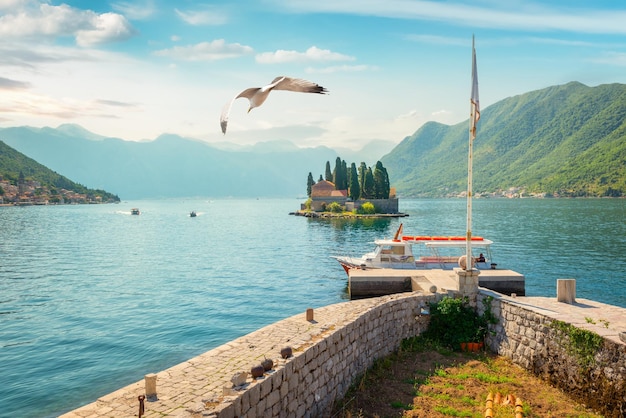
(453, 321)
(334, 207)
(367, 208)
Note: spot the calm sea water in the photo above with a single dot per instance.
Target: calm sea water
(92, 298)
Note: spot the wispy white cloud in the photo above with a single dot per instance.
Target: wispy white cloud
(612, 58)
(504, 41)
(441, 113)
(136, 10)
(202, 17)
(8, 84)
(341, 69)
(115, 103)
(437, 40)
(47, 21)
(503, 15)
(411, 114)
(41, 105)
(17, 56)
(206, 51)
(313, 54)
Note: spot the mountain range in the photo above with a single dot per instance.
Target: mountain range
(568, 140)
(173, 166)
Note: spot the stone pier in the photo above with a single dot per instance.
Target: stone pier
(332, 345)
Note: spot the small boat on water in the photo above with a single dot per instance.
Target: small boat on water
(134, 211)
(193, 214)
(421, 253)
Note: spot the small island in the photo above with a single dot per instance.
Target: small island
(354, 193)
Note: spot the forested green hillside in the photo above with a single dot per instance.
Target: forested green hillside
(15, 165)
(567, 140)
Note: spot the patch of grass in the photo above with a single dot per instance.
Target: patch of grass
(436, 385)
(400, 405)
(469, 401)
(455, 386)
(440, 372)
(440, 396)
(453, 412)
(485, 377)
(421, 344)
(491, 364)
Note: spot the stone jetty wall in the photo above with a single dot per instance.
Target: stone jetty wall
(567, 352)
(321, 371)
(336, 344)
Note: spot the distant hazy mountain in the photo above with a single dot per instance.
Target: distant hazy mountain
(171, 166)
(568, 139)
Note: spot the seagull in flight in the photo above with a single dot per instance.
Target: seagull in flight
(258, 95)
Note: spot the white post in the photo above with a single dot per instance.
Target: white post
(566, 290)
(151, 385)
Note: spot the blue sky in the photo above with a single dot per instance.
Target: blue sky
(137, 69)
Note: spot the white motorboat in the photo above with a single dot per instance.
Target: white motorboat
(422, 252)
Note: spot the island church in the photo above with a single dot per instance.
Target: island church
(324, 193)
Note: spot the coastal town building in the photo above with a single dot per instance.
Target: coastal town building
(31, 192)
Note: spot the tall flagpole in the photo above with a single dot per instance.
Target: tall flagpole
(474, 116)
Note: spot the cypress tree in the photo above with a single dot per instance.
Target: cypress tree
(362, 171)
(344, 175)
(337, 174)
(329, 174)
(368, 191)
(309, 184)
(355, 189)
(386, 184)
(381, 182)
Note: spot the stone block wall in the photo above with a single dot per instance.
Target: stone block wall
(320, 372)
(595, 375)
(382, 205)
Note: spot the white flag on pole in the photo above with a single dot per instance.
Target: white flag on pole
(475, 103)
